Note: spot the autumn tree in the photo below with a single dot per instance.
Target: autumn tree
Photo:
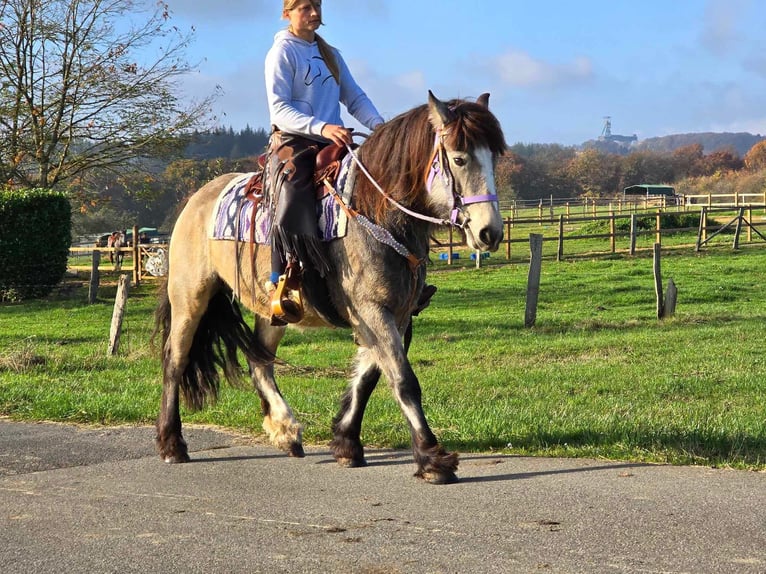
(88, 85)
(755, 158)
(597, 174)
(689, 160)
(721, 161)
(646, 167)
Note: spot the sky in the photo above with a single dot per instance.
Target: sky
(555, 69)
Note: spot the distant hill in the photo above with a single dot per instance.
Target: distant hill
(741, 142)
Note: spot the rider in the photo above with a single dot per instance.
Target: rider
(306, 81)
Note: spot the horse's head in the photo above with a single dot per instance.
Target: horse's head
(461, 178)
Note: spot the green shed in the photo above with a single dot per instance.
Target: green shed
(650, 190)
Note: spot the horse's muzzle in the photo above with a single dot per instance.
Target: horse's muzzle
(491, 237)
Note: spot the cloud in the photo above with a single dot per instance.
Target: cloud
(519, 69)
(721, 23)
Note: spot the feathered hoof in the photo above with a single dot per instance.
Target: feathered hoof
(438, 477)
(176, 458)
(437, 466)
(347, 462)
(172, 449)
(296, 450)
(285, 435)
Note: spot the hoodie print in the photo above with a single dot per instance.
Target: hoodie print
(317, 70)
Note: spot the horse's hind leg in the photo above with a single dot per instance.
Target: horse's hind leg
(284, 431)
(180, 321)
(347, 425)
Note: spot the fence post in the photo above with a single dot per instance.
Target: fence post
(633, 232)
(119, 312)
(95, 277)
(136, 257)
(659, 224)
(509, 226)
(749, 222)
(540, 212)
(738, 229)
(533, 280)
(666, 306)
(658, 280)
(702, 233)
(449, 252)
(560, 252)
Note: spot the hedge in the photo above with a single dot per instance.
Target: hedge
(35, 237)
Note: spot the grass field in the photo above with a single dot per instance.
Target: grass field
(598, 375)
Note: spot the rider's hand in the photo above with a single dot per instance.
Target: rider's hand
(337, 134)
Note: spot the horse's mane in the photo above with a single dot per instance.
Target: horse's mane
(398, 152)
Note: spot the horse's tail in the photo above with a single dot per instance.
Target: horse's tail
(222, 331)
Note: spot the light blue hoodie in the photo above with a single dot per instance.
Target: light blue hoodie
(302, 94)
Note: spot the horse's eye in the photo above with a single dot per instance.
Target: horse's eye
(459, 161)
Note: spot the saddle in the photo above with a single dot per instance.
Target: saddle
(328, 162)
(286, 303)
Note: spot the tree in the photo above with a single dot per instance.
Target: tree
(755, 159)
(81, 92)
(596, 173)
(688, 160)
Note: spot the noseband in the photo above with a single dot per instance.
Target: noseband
(439, 167)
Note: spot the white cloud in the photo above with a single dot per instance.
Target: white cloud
(517, 68)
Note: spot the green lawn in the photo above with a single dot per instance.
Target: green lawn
(597, 376)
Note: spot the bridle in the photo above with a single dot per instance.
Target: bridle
(439, 167)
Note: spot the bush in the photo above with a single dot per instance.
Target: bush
(648, 222)
(35, 236)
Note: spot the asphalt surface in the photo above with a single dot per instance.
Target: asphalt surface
(97, 500)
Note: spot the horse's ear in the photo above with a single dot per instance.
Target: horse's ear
(483, 100)
(438, 112)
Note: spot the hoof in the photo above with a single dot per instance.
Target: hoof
(438, 477)
(296, 450)
(346, 462)
(176, 458)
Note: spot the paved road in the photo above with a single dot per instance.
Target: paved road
(76, 500)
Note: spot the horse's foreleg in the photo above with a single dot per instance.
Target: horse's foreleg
(434, 464)
(284, 431)
(347, 426)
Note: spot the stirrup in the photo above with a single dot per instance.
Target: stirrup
(286, 303)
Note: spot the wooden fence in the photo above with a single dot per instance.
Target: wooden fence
(582, 206)
(565, 228)
(137, 258)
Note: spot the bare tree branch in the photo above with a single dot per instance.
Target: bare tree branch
(89, 84)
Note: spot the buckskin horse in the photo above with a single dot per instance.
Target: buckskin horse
(432, 165)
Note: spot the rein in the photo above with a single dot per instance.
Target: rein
(438, 167)
(390, 199)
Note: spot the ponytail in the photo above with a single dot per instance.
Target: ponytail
(329, 57)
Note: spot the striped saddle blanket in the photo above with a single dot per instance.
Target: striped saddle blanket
(233, 216)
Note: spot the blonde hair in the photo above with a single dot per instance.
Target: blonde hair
(325, 49)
